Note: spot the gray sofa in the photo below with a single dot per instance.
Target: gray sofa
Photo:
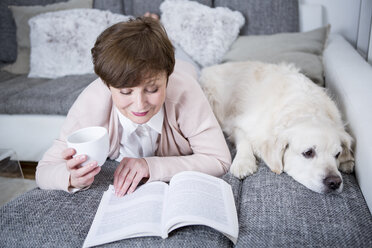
(273, 210)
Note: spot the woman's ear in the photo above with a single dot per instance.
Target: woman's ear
(272, 153)
(346, 157)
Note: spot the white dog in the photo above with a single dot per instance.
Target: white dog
(278, 114)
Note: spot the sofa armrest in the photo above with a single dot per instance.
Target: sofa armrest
(349, 81)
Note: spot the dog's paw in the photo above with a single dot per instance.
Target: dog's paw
(347, 167)
(243, 167)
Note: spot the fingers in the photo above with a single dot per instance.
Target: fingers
(75, 162)
(84, 176)
(155, 16)
(121, 166)
(152, 15)
(136, 180)
(84, 170)
(80, 176)
(120, 174)
(128, 181)
(119, 180)
(68, 153)
(88, 178)
(129, 174)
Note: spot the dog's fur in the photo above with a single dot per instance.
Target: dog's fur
(276, 113)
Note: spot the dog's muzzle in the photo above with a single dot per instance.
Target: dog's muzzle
(332, 182)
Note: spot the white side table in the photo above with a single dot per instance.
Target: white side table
(9, 164)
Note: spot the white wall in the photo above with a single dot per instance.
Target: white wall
(364, 30)
(370, 47)
(343, 15)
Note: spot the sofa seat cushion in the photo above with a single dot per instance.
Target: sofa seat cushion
(277, 211)
(22, 95)
(44, 218)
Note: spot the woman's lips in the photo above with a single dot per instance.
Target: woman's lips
(140, 113)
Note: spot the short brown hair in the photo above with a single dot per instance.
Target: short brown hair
(127, 53)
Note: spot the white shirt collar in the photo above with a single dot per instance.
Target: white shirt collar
(155, 123)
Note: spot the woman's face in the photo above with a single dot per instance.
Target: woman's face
(141, 103)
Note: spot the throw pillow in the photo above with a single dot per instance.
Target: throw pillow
(302, 49)
(61, 41)
(21, 15)
(204, 33)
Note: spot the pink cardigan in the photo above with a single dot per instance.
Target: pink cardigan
(191, 137)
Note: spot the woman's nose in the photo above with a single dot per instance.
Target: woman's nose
(141, 101)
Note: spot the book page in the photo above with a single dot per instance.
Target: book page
(133, 215)
(197, 198)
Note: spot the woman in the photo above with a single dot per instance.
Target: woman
(158, 119)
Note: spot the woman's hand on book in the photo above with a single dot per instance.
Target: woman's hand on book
(129, 174)
(80, 176)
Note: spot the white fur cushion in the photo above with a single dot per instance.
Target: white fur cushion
(204, 33)
(61, 41)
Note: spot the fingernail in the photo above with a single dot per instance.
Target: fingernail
(81, 157)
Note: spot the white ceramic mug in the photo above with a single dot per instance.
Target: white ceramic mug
(92, 142)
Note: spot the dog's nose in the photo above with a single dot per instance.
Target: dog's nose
(333, 182)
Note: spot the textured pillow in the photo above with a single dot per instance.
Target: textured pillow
(21, 15)
(61, 41)
(303, 49)
(204, 33)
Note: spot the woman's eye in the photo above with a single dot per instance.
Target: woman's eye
(310, 153)
(126, 92)
(152, 90)
(337, 155)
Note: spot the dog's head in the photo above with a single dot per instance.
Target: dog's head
(313, 155)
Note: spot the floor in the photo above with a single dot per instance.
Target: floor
(10, 188)
(29, 169)
(12, 184)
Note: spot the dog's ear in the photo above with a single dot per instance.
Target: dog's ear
(272, 153)
(346, 157)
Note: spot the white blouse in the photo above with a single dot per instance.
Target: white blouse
(140, 140)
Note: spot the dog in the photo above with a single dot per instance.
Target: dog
(274, 112)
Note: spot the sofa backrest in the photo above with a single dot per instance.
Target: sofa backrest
(265, 16)
(262, 16)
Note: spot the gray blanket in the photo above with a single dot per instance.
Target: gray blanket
(45, 218)
(273, 211)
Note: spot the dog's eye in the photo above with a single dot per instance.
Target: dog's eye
(309, 153)
(338, 154)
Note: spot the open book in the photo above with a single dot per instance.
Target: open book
(156, 209)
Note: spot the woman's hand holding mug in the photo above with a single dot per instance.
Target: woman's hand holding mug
(88, 150)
